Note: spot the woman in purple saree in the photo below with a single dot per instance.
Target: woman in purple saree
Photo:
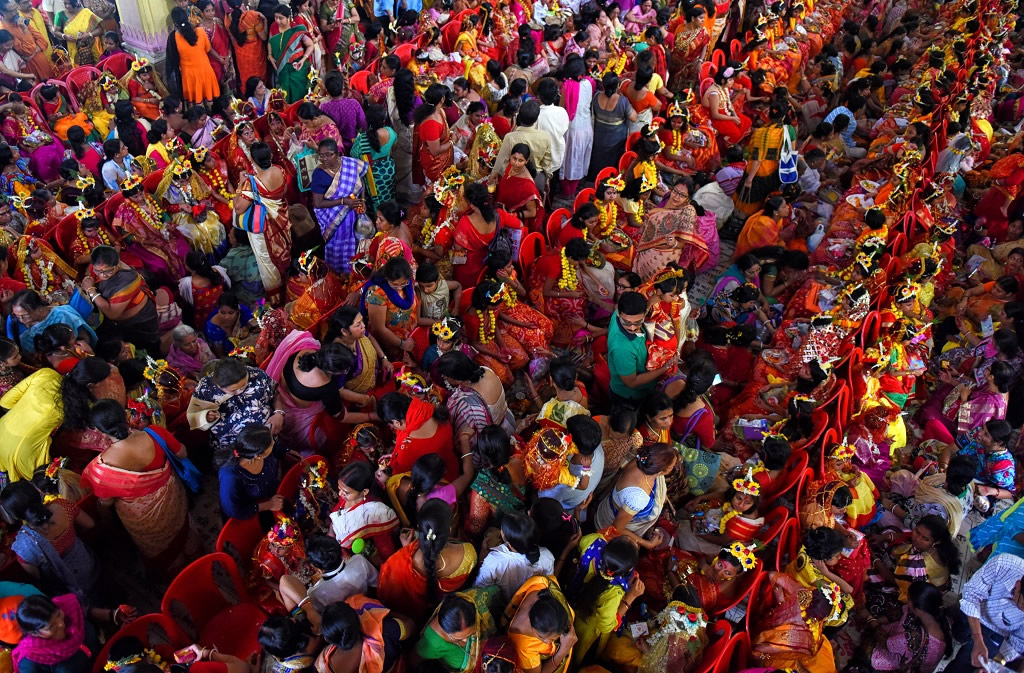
(337, 186)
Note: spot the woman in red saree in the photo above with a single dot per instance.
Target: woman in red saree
(418, 432)
(474, 232)
(249, 35)
(432, 146)
(214, 172)
(135, 474)
(690, 46)
(555, 284)
(238, 153)
(220, 45)
(731, 124)
(495, 347)
(517, 192)
(428, 565)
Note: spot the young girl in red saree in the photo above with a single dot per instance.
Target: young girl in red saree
(495, 347)
(523, 322)
(663, 323)
(556, 285)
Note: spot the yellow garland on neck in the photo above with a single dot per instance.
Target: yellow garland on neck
(488, 325)
(728, 514)
(609, 216)
(677, 141)
(568, 280)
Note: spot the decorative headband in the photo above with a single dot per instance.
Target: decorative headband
(200, 153)
(85, 182)
(743, 554)
(84, 214)
(130, 183)
(140, 63)
(616, 183)
(747, 484)
(443, 329)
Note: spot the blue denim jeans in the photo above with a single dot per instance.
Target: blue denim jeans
(962, 661)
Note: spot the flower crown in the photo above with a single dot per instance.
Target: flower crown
(802, 398)
(199, 154)
(616, 183)
(863, 260)
(306, 261)
(315, 475)
(130, 183)
(446, 189)
(946, 226)
(443, 330)
(284, 532)
(668, 274)
(413, 381)
(106, 81)
(743, 554)
(774, 435)
(278, 99)
(242, 352)
(85, 182)
(646, 184)
(652, 130)
(689, 619)
(140, 63)
(181, 170)
(835, 597)
(154, 369)
(84, 214)
(842, 451)
(906, 292)
(496, 295)
(747, 484)
(677, 110)
(54, 468)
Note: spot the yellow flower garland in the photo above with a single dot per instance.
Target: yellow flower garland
(609, 216)
(487, 318)
(568, 280)
(728, 514)
(219, 185)
(677, 141)
(85, 242)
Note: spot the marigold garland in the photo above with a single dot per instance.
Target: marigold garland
(85, 241)
(488, 325)
(153, 221)
(677, 142)
(46, 274)
(219, 184)
(568, 280)
(609, 216)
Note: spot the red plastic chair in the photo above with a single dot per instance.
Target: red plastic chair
(65, 233)
(208, 600)
(556, 220)
(801, 489)
(111, 206)
(626, 161)
(530, 248)
(773, 523)
(467, 297)
(707, 70)
(760, 602)
(585, 196)
(705, 84)
(787, 480)
(421, 337)
(819, 421)
(869, 329)
(450, 33)
(289, 486)
(238, 539)
(221, 147)
(632, 140)
(745, 583)
(898, 245)
(719, 634)
(152, 181)
(736, 654)
(405, 52)
(117, 65)
(156, 631)
(78, 77)
(829, 439)
(360, 81)
(604, 174)
(789, 544)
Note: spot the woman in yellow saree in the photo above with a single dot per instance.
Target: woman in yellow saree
(81, 29)
(468, 47)
(533, 647)
(789, 635)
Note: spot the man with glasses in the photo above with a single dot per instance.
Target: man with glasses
(627, 352)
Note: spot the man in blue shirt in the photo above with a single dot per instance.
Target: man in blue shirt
(382, 9)
(849, 111)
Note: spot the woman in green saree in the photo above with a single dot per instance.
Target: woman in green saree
(290, 51)
(457, 630)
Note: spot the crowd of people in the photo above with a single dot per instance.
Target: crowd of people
(431, 301)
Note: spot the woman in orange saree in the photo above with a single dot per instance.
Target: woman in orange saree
(430, 565)
(790, 635)
(670, 235)
(495, 347)
(524, 323)
(248, 30)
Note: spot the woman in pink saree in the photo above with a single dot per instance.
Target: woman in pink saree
(671, 234)
(309, 381)
(23, 128)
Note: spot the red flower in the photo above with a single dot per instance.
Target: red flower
(692, 617)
